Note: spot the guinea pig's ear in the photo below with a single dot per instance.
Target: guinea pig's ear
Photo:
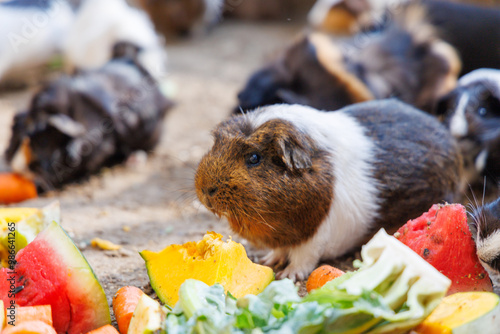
(294, 152)
(290, 97)
(66, 125)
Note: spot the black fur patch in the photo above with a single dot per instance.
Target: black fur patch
(417, 160)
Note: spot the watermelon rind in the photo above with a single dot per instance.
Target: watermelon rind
(86, 295)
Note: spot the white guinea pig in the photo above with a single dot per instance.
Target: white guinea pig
(312, 185)
(31, 33)
(99, 25)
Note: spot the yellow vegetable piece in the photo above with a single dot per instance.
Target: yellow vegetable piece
(28, 223)
(209, 260)
(464, 313)
(104, 244)
(16, 214)
(31, 218)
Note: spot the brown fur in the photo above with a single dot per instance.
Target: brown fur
(331, 58)
(343, 18)
(267, 9)
(280, 202)
(174, 17)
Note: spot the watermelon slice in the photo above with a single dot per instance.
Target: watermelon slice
(442, 237)
(51, 270)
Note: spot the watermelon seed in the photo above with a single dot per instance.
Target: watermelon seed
(20, 278)
(426, 252)
(18, 289)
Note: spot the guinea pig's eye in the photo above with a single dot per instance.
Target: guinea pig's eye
(482, 111)
(253, 159)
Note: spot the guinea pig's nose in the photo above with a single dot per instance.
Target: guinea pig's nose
(212, 191)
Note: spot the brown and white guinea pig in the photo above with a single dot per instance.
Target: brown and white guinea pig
(406, 61)
(77, 125)
(472, 113)
(472, 29)
(485, 226)
(312, 185)
(182, 17)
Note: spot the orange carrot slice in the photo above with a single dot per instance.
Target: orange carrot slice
(30, 313)
(106, 329)
(124, 303)
(321, 275)
(29, 327)
(15, 188)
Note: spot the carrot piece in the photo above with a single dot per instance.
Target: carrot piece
(106, 329)
(30, 327)
(321, 275)
(124, 303)
(15, 188)
(31, 313)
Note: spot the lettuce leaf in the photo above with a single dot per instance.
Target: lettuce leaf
(392, 292)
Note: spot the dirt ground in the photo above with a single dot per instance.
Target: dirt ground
(156, 200)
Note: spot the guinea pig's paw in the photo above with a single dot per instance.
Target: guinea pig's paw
(294, 273)
(275, 257)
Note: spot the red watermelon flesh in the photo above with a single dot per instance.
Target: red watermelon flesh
(442, 237)
(51, 270)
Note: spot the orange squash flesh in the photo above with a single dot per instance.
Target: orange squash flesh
(209, 260)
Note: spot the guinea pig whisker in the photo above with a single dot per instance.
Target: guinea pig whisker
(263, 220)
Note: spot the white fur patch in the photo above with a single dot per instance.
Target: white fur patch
(319, 11)
(213, 11)
(100, 24)
(489, 248)
(355, 190)
(480, 162)
(458, 123)
(488, 77)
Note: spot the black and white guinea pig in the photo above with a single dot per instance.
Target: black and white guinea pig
(32, 32)
(312, 185)
(485, 226)
(406, 61)
(77, 125)
(472, 113)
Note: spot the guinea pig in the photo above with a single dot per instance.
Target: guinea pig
(312, 185)
(406, 61)
(310, 72)
(182, 17)
(485, 225)
(473, 30)
(472, 113)
(32, 33)
(77, 125)
(99, 25)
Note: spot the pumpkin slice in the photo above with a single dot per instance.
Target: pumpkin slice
(464, 313)
(209, 260)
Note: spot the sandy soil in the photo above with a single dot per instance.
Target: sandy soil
(156, 200)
